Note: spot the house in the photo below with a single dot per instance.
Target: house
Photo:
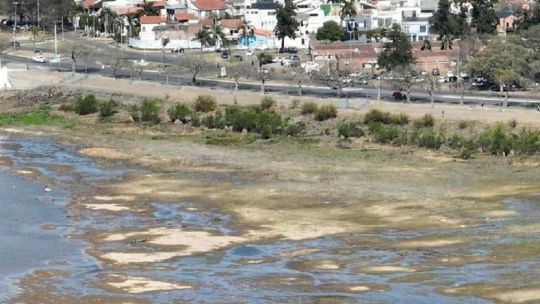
(185, 18)
(362, 57)
(507, 20)
(149, 24)
(262, 15)
(231, 28)
(207, 8)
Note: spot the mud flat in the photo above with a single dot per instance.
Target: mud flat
(181, 221)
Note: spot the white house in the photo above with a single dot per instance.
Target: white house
(205, 8)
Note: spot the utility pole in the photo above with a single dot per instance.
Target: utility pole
(15, 20)
(55, 42)
(38, 16)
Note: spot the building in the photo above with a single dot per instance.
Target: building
(507, 20)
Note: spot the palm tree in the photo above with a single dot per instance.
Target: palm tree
(148, 9)
(205, 38)
(347, 12)
(35, 31)
(246, 31)
(218, 35)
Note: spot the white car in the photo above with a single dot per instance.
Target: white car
(39, 58)
(249, 53)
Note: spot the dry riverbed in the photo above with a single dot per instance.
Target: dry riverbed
(176, 220)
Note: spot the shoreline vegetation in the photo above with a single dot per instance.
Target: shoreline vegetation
(204, 120)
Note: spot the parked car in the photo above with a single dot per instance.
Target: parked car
(177, 50)
(289, 50)
(399, 96)
(15, 43)
(435, 72)
(295, 60)
(225, 55)
(249, 53)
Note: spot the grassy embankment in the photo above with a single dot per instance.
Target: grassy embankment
(307, 124)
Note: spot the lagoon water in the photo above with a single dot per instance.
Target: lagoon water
(32, 225)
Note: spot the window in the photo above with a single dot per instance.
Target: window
(272, 13)
(303, 6)
(423, 28)
(314, 15)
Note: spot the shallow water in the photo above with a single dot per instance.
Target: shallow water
(247, 273)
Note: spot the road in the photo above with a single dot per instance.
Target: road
(103, 49)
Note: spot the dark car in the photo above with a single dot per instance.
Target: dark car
(225, 55)
(177, 50)
(288, 50)
(399, 96)
(15, 43)
(238, 57)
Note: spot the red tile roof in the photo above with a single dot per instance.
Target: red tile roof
(206, 22)
(231, 23)
(262, 33)
(151, 19)
(88, 3)
(159, 4)
(208, 5)
(183, 16)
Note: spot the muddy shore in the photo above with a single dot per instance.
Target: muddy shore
(170, 219)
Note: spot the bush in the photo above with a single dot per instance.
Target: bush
(309, 107)
(326, 112)
(350, 129)
(496, 140)
(377, 116)
(295, 103)
(67, 107)
(427, 121)
(149, 111)
(512, 123)
(195, 119)
(456, 141)
(528, 142)
(253, 120)
(267, 103)
(205, 103)
(384, 133)
(86, 105)
(463, 124)
(430, 139)
(180, 112)
(108, 108)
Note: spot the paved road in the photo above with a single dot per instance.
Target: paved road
(94, 67)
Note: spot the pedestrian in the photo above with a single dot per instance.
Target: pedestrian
(442, 113)
(482, 105)
(538, 108)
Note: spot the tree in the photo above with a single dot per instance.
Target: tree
(448, 25)
(431, 83)
(334, 76)
(117, 62)
(330, 31)
(205, 38)
(263, 74)
(403, 78)
(193, 64)
(500, 56)
(484, 19)
(287, 25)
(76, 51)
(236, 70)
(397, 52)
(35, 31)
(148, 9)
(505, 78)
(164, 42)
(348, 10)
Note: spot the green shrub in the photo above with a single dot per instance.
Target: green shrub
(496, 140)
(180, 112)
(384, 133)
(268, 103)
(309, 107)
(295, 103)
(528, 142)
(205, 103)
(149, 111)
(326, 112)
(86, 105)
(427, 121)
(466, 153)
(251, 119)
(377, 116)
(456, 141)
(108, 108)
(209, 121)
(512, 123)
(294, 129)
(195, 119)
(350, 129)
(430, 139)
(463, 124)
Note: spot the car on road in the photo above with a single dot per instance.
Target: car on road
(38, 57)
(289, 50)
(177, 50)
(249, 53)
(15, 43)
(399, 95)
